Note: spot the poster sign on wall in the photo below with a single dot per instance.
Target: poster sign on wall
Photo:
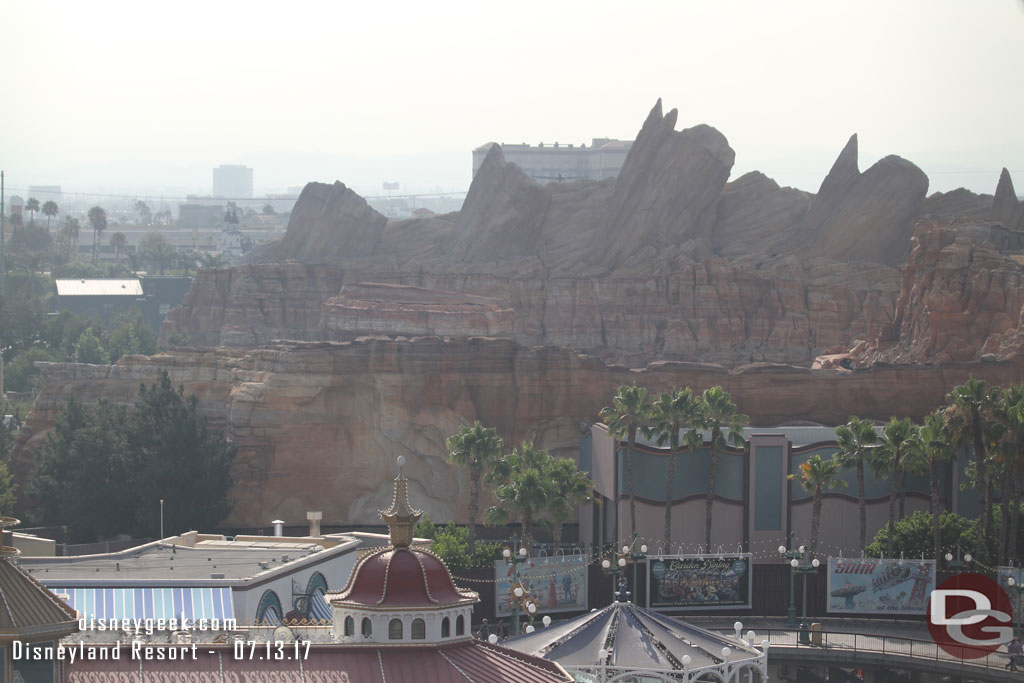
(872, 586)
(555, 584)
(699, 582)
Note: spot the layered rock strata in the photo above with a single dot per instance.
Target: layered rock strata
(318, 425)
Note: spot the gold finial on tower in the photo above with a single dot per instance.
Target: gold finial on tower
(401, 517)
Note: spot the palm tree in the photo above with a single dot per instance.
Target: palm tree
(718, 412)
(118, 241)
(522, 488)
(936, 443)
(973, 405)
(1009, 413)
(162, 255)
(815, 476)
(629, 411)
(569, 488)
(98, 221)
(857, 442)
(32, 205)
(474, 449)
(50, 209)
(669, 413)
(69, 232)
(898, 440)
(208, 260)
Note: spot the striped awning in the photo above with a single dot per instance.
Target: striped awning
(150, 603)
(319, 609)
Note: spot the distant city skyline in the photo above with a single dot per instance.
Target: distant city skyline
(121, 98)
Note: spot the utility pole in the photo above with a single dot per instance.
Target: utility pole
(3, 229)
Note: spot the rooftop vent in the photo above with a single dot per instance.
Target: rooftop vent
(217, 575)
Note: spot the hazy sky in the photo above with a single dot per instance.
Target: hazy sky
(102, 96)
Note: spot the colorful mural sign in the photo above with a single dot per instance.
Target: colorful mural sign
(859, 586)
(555, 584)
(699, 582)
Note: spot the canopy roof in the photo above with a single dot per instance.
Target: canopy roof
(634, 638)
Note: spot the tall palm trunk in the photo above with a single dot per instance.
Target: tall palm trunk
(474, 508)
(815, 519)
(527, 527)
(1014, 518)
(982, 470)
(557, 535)
(668, 487)
(715, 432)
(933, 506)
(895, 478)
(861, 505)
(629, 480)
(1004, 529)
(903, 495)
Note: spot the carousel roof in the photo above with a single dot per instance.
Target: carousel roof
(633, 637)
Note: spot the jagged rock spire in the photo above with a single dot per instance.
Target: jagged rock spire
(401, 517)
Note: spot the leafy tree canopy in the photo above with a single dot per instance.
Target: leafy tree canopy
(104, 469)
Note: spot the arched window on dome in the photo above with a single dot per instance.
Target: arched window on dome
(460, 626)
(419, 629)
(350, 626)
(367, 627)
(446, 628)
(395, 629)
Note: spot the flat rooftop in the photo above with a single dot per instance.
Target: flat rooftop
(213, 561)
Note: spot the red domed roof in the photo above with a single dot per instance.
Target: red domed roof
(402, 577)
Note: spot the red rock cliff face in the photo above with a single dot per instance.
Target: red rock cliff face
(960, 300)
(318, 425)
(729, 312)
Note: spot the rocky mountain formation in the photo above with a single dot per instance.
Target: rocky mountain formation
(670, 260)
(318, 424)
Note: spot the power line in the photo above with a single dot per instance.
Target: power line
(231, 199)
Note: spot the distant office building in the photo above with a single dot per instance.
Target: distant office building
(45, 193)
(552, 163)
(232, 181)
(196, 215)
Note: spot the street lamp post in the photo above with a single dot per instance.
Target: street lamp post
(791, 612)
(518, 592)
(957, 564)
(636, 557)
(800, 563)
(613, 565)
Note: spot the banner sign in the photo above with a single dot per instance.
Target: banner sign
(555, 584)
(871, 586)
(699, 581)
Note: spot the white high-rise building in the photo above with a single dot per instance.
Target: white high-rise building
(232, 181)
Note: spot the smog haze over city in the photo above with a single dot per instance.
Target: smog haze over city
(148, 98)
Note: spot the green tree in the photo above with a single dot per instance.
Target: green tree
(98, 221)
(569, 488)
(177, 458)
(475, 449)
(19, 372)
(897, 442)
(143, 213)
(857, 442)
(971, 410)
(912, 536)
(670, 412)
(89, 350)
(8, 434)
(50, 209)
(32, 205)
(815, 476)
(69, 235)
(82, 477)
(628, 412)
(131, 335)
(936, 445)
(118, 241)
(158, 251)
(718, 413)
(1008, 428)
(451, 544)
(522, 490)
